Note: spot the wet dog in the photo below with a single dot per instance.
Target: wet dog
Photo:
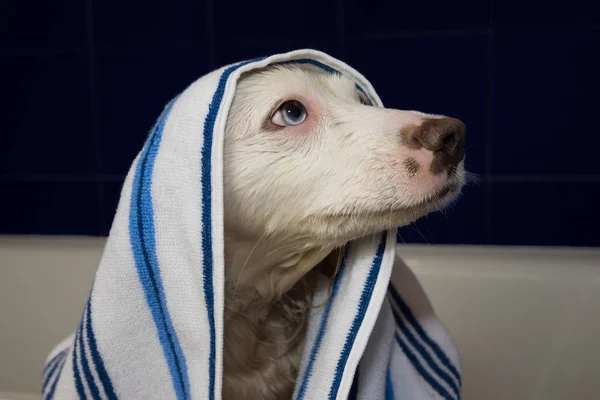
(309, 166)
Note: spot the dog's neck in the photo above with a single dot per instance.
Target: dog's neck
(270, 266)
(270, 284)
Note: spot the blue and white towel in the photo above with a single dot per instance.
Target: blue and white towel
(153, 325)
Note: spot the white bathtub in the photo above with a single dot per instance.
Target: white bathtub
(526, 320)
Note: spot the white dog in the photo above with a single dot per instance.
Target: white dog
(309, 166)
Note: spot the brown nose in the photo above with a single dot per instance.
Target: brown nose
(445, 137)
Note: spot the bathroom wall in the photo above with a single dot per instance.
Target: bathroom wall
(83, 82)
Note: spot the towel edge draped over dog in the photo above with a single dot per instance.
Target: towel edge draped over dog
(153, 325)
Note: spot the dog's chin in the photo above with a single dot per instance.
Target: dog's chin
(401, 216)
(440, 199)
(360, 223)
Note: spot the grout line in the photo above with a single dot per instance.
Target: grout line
(341, 29)
(211, 43)
(543, 178)
(93, 103)
(112, 178)
(550, 29)
(273, 41)
(41, 52)
(62, 178)
(6, 51)
(475, 31)
(412, 34)
(144, 47)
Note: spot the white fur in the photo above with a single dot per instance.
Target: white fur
(294, 194)
(345, 159)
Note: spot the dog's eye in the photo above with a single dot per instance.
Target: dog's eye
(290, 113)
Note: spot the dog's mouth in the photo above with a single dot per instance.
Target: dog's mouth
(436, 200)
(442, 195)
(351, 224)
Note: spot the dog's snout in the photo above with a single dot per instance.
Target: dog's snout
(444, 134)
(445, 137)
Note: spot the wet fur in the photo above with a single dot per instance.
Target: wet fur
(293, 197)
(264, 337)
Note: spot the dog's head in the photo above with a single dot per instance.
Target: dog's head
(307, 156)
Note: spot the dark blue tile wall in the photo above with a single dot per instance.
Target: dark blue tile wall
(545, 213)
(52, 206)
(385, 17)
(83, 82)
(47, 127)
(42, 25)
(544, 94)
(274, 19)
(151, 24)
(132, 88)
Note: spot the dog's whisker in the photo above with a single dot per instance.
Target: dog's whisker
(416, 229)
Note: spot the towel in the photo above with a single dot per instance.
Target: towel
(152, 327)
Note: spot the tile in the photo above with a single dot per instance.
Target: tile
(514, 13)
(49, 208)
(112, 196)
(462, 222)
(443, 75)
(389, 16)
(274, 20)
(545, 92)
(229, 53)
(131, 23)
(545, 214)
(47, 128)
(45, 24)
(133, 89)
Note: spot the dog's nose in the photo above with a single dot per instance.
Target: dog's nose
(445, 137)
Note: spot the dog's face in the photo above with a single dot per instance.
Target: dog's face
(307, 157)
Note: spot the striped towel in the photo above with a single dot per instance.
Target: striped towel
(153, 325)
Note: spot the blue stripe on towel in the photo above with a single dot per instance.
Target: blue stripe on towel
(389, 386)
(51, 368)
(95, 354)
(53, 361)
(142, 236)
(425, 354)
(422, 371)
(87, 373)
(76, 373)
(325, 67)
(50, 394)
(316, 63)
(365, 299)
(423, 335)
(205, 178)
(322, 328)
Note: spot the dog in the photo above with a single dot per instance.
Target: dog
(309, 166)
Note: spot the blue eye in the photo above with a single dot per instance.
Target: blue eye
(291, 113)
